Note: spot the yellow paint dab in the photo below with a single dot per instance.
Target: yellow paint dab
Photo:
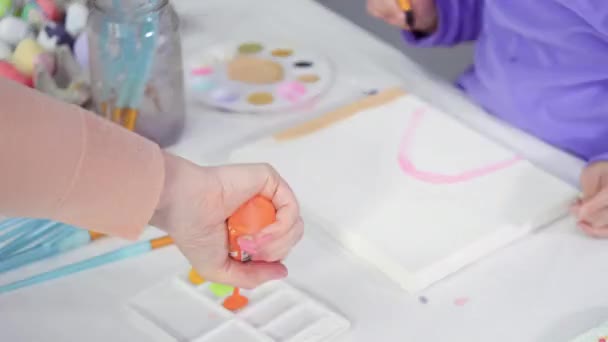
(308, 78)
(195, 278)
(282, 52)
(260, 99)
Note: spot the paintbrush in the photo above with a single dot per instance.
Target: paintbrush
(32, 232)
(406, 7)
(13, 229)
(11, 223)
(130, 101)
(137, 62)
(100, 260)
(65, 239)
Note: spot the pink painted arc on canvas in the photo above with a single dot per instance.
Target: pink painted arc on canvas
(408, 167)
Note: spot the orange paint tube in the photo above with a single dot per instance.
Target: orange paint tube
(248, 220)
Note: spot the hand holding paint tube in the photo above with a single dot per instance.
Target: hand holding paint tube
(247, 220)
(413, 15)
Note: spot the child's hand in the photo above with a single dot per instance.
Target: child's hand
(592, 209)
(195, 204)
(389, 11)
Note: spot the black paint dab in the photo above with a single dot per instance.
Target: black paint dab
(303, 64)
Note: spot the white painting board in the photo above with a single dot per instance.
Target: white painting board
(176, 310)
(410, 189)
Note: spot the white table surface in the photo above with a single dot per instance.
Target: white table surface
(548, 287)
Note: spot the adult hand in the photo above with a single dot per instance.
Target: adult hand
(196, 203)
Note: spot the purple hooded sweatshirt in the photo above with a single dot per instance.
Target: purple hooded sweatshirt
(540, 65)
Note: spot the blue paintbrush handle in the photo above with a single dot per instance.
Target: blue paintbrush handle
(131, 63)
(26, 258)
(56, 235)
(123, 253)
(75, 240)
(62, 232)
(110, 66)
(147, 60)
(130, 60)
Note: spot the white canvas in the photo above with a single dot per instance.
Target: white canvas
(417, 231)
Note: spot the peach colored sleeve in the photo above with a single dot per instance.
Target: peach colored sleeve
(63, 163)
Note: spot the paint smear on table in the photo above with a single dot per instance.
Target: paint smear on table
(410, 169)
(462, 301)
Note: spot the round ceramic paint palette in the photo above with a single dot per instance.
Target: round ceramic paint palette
(257, 77)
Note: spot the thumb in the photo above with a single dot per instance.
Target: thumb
(252, 274)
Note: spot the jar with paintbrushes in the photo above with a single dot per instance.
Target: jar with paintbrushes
(136, 66)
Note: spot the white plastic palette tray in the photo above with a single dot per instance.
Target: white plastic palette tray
(176, 310)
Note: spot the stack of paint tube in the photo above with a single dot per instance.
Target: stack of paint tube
(43, 45)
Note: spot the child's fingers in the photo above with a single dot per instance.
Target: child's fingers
(386, 10)
(593, 205)
(591, 181)
(373, 9)
(575, 209)
(599, 219)
(376, 10)
(597, 232)
(397, 19)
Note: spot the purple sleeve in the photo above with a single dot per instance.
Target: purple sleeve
(458, 21)
(598, 158)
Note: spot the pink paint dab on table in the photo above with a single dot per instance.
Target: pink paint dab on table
(202, 71)
(462, 301)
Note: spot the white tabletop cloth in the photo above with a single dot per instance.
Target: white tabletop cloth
(548, 287)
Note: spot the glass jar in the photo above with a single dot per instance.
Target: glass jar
(136, 66)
